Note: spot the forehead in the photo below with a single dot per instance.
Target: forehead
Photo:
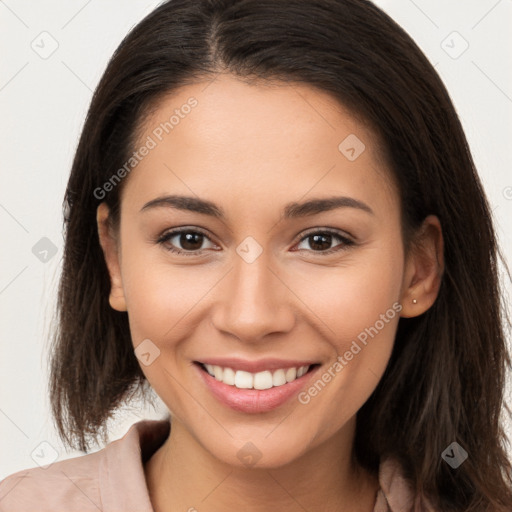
(229, 138)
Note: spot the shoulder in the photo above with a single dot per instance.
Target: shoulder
(92, 482)
(396, 492)
(72, 482)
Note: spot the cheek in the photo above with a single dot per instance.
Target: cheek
(159, 292)
(352, 296)
(159, 297)
(357, 309)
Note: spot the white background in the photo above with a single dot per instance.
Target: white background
(42, 107)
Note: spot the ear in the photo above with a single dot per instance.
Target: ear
(424, 269)
(109, 244)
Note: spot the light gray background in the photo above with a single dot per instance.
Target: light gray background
(43, 101)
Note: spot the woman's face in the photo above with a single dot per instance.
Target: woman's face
(269, 273)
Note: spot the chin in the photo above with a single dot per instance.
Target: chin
(258, 454)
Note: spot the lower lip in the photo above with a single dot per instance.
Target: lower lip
(253, 400)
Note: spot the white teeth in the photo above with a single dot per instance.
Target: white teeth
(217, 371)
(291, 374)
(229, 377)
(243, 380)
(278, 378)
(261, 380)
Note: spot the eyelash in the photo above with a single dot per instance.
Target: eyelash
(346, 242)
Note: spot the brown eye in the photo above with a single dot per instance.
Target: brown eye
(321, 242)
(184, 241)
(190, 241)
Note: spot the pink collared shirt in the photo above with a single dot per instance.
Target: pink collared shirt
(112, 480)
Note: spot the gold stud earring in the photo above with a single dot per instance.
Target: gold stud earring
(414, 301)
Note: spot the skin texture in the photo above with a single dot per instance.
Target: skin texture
(251, 149)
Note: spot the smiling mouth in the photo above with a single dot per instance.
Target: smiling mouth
(262, 380)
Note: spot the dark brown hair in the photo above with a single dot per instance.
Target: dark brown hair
(446, 376)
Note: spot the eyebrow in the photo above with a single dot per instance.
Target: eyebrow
(291, 210)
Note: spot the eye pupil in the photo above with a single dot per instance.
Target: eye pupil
(317, 244)
(187, 241)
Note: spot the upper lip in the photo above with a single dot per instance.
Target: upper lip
(255, 366)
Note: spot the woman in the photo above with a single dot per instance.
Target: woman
(274, 221)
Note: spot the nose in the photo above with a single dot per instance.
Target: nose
(254, 303)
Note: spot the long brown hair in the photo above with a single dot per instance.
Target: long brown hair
(446, 376)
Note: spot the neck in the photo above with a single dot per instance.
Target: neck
(183, 476)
